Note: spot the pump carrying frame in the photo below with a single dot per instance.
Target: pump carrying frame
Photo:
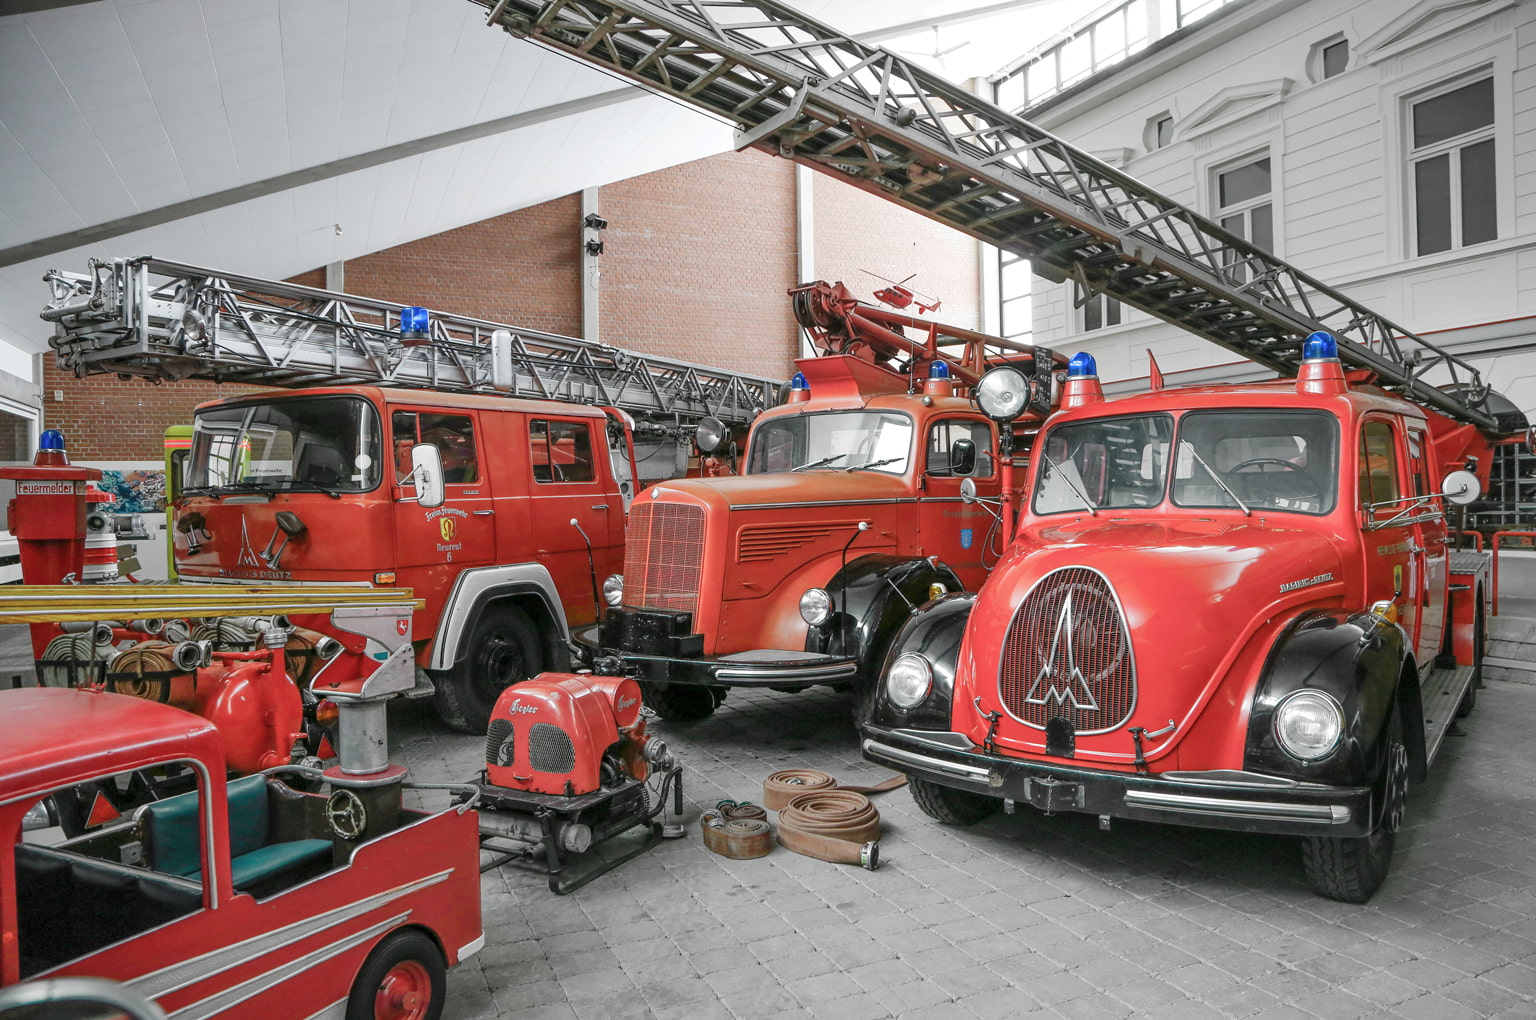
(800, 89)
(154, 319)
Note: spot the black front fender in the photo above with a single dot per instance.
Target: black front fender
(872, 596)
(934, 632)
(1357, 658)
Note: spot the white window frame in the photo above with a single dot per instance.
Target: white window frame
(1449, 147)
(1395, 106)
(1315, 58)
(1149, 133)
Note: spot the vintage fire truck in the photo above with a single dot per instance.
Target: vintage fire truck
(1233, 606)
(847, 516)
(1229, 607)
(320, 483)
(244, 897)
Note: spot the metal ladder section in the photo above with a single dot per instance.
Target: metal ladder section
(155, 319)
(801, 89)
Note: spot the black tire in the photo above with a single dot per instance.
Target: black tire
(1351, 869)
(679, 702)
(503, 650)
(404, 978)
(949, 805)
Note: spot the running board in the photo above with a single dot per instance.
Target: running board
(1441, 694)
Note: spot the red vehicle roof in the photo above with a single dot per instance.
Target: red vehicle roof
(54, 737)
(437, 398)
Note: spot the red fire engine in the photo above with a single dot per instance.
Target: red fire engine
(1233, 606)
(847, 516)
(324, 483)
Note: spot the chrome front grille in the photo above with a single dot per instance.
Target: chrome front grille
(663, 556)
(1068, 655)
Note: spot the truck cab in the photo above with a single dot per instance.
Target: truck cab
(798, 572)
(1232, 606)
(247, 898)
(319, 486)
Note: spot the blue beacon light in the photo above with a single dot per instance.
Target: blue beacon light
(51, 439)
(1319, 346)
(413, 321)
(798, 382)
(1081, 365)
(939, 371)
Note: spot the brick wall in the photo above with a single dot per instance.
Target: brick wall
(697, 261)
(864, 241)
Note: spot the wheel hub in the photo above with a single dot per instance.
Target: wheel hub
(404, 994)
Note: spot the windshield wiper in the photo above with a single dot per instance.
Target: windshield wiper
(874, 464)
(1070, 484)
(823, 462)
(1184, 444)
(294, 485)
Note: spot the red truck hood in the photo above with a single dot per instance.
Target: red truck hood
(833, 488)
(1116, 624)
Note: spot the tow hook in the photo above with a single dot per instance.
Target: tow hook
(988, 743)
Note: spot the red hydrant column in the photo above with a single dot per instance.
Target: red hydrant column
(47, 518)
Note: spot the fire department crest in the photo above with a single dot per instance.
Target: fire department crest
(447, 527)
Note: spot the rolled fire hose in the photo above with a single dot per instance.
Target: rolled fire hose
(738, 831)
(821, 819)
(840, 826)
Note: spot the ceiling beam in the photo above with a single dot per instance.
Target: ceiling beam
(879, 35)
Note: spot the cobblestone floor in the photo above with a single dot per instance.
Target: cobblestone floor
(1022, 915)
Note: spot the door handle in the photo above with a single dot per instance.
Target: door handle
(601, 506)
(482, 513)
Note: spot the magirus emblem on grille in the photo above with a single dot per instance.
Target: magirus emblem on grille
(1060, 666)
(1068, 654)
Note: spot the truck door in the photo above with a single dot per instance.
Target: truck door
(1430, 550)
(949, 528)
(1388, 535)
(571, 482)
(460, 533)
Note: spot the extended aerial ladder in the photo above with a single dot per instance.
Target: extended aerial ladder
(800, 89)
(154, 319)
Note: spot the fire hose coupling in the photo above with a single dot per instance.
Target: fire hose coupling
(658, 754)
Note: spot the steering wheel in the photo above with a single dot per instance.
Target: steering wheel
(1308, 486)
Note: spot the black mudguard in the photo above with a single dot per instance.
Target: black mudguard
(935, 632)
(872, 597)
(1356, 657)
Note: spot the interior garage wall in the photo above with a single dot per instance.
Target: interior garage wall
(864, 241)
(696, 265)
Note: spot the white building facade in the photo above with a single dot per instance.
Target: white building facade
(1383, 146)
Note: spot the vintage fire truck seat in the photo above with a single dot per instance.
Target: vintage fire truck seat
(257, 859)
(68, 904)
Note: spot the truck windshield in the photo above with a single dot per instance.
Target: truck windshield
(1270, 460)
(1104, 463)
(314, 444)
(833, 441)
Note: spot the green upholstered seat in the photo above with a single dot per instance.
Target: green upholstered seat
(171, 836)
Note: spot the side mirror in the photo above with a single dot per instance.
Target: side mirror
(968, 489)
(962, 457)
(709, 434)
(1461, 487)
(427, 473)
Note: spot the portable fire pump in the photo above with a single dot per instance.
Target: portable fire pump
(568, 767)
(848, 515)
(1230, 606)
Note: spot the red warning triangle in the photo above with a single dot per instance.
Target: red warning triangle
(102, 812)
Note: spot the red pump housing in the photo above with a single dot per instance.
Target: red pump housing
(548, 735)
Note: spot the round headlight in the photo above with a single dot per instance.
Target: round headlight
(709, 434)
(909, 680)
(1002, 393)
(815, 607)
(613, 589)
(1309, 725)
